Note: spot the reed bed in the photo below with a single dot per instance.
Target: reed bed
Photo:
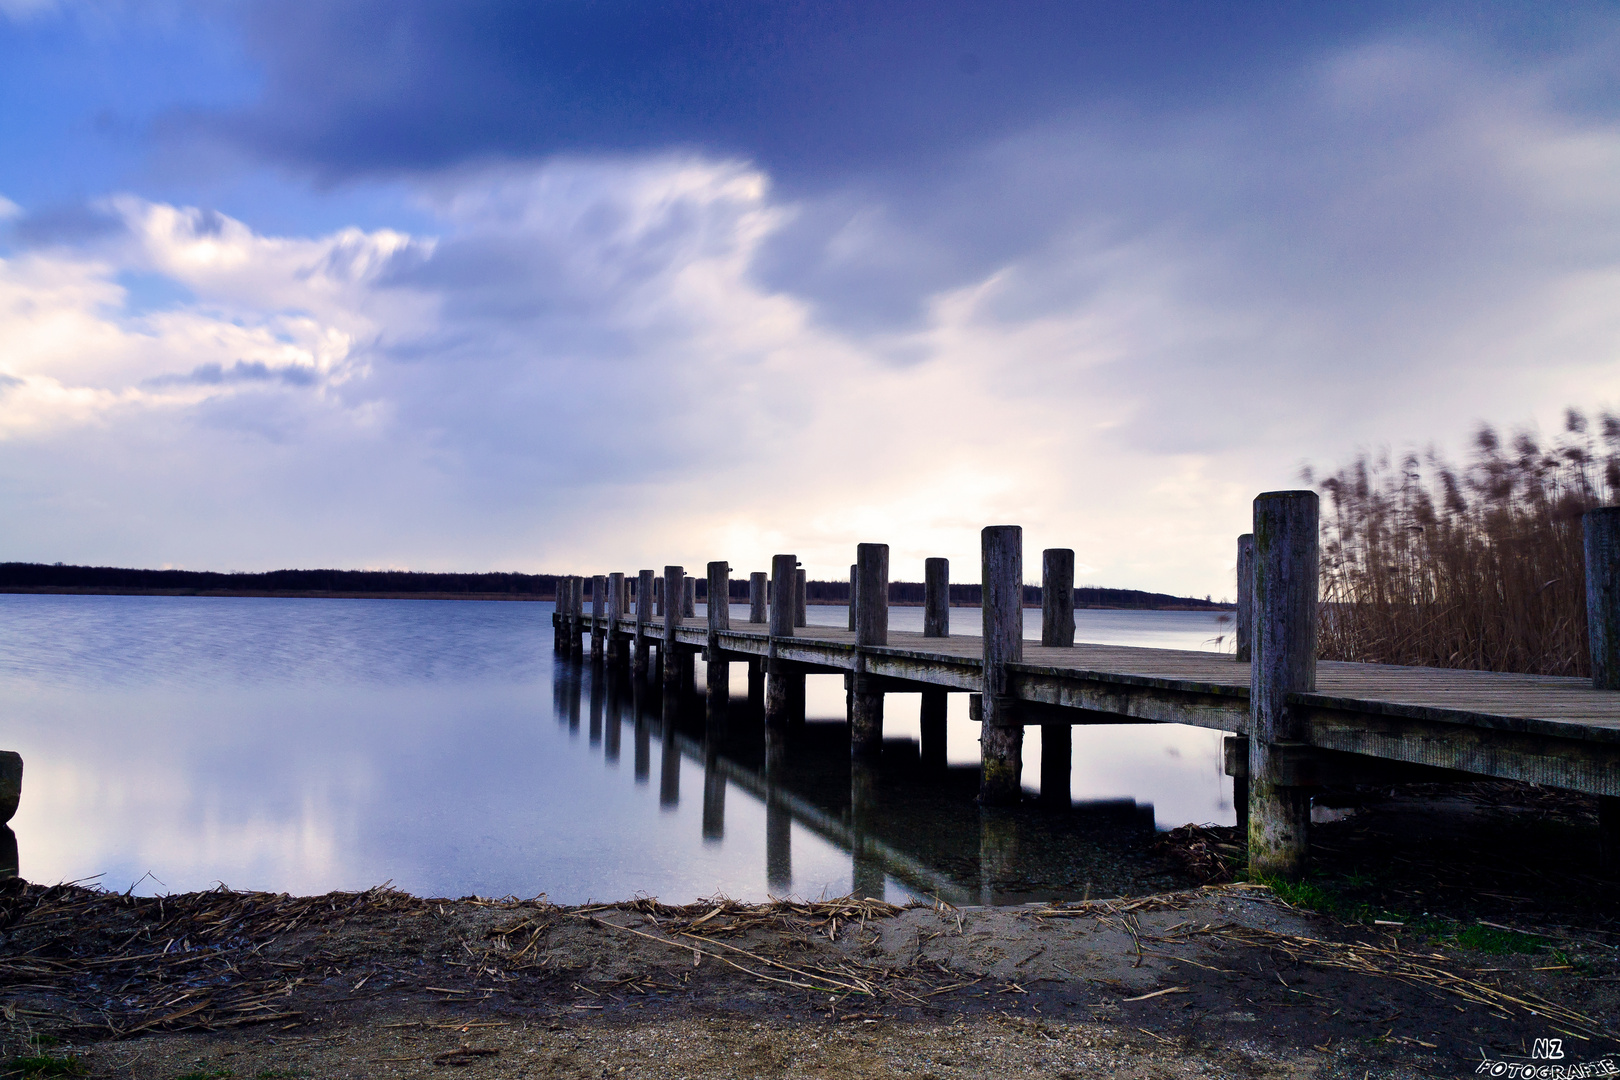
(1478, 567)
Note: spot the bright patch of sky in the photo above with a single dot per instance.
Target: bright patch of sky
(589, 287)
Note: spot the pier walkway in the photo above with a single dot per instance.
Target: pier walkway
(1296, 723)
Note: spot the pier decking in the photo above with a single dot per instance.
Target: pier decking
(1296, 722)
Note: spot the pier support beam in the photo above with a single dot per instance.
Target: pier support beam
(674, 589)
(871, 629)
(932, 714)
(1602, 528)
(781, 674)
(756, 683)
(1001, 734)
(644, 606)
(1245, 599)
(1057, 631)
(717, 696)
(1285, 602)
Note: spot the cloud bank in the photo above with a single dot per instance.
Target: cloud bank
(1112, 327)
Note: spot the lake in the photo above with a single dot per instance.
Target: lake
(176, 743)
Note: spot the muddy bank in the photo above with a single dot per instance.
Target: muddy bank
(1219, 981)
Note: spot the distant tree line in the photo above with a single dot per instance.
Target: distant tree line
(18, 576)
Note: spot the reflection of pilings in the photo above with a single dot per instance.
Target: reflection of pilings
(998, 850)
(669, 769)
(1057, 756)
(933, 712)
(717, 692)
(714, 793)
(596, 706)
(614, 717)
(778, 844)
(914, 874)
(867, 865)
(571, 695)
(643, 732)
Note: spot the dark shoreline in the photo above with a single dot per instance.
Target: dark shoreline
(309, 594)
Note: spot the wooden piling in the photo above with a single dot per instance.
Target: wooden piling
(852, 588)
(658, 596)
(615, 612)
(1057, 630)
(674, 589)
(644, 605)
(1245, 598)
(689, 599)
(1057, 597)
(936, 598)
(576, 616)
(801, 598)
(757, 591)
(871, 629)
(598, 606)
(1602, 540)
(717, 696)
(1284, 662)
(1001, 735)
(780, 674)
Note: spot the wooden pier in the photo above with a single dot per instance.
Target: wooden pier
(1295, 723)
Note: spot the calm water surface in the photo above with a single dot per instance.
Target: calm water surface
(172, 743)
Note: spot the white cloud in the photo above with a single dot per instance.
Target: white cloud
(1120, 335)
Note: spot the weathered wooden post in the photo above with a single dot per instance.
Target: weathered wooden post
(576, 616)
(936, 623)
(718, 695)
(1602, 540)
(1057, 597)
(560, 591)
(1286, 566)
(801, 599)
(598, 607)
(1245, 598)
(658, 596)
(853, 586)
(757, 591)
(675, 589)
(644, 605)
(780, 674)
(1001, 734)
(1057, 631)
(871, 629)
(936, 598)
(689, 599)
(615, 612)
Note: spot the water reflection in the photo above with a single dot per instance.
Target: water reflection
(908, 822)
(306, 745)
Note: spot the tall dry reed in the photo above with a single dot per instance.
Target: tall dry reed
(1480, 567)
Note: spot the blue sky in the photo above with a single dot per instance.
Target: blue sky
(590, 286)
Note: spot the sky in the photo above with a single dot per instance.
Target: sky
(584, 285)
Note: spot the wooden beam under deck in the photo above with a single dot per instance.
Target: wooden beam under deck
(1559, 732)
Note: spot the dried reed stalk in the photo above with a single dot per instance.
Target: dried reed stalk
(1424, 563)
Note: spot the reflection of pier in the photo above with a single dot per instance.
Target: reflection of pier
(899, 817)
(1297, 724)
